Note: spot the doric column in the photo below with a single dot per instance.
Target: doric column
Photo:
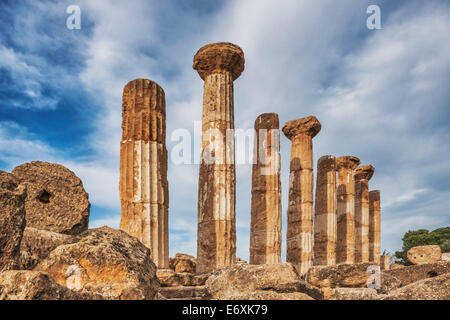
(301, 183)
(362, 177)
(374, 226)
(265, 230)
(218, 64)
(143, 168)
(345, 248)
(325, 212)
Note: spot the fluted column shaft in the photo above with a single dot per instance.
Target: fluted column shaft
(265, 229)
(374, 227)
(362, 177)
(345, 248)
(218, 65)
(325, 227)
(301, 183)
(143, 168)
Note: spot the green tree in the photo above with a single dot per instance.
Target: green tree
(423, 237)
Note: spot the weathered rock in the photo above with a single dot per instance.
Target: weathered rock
(325, 227)
(37, 244)
(424, 254)
(240, 280)
(396, 266)
(170, 278)
(345, 247)
(34, 285)
(12, 219)
(183, 263)
(270, 295)
(445, 256)
(355, 294)
(299, 237)
(218, 64)
(265, 226)
(414, 273)
(183, 293)
(143, 186)
(56, 200)
(436, 288)
(342, 275)
(107, 262)
(389, 282)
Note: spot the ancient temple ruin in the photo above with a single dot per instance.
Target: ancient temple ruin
(341, 227)
(143, 183)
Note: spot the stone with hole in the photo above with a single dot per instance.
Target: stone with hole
(424, 254)
(56, 200)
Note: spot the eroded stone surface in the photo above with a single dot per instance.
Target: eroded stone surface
(170, 278)
(374, 227)
(355, 294)
(56, 200)
(345, 247)
(265, 229)
(37, 244)
(342, 275)
(218, 65)
(325, 212)
(183, 263)
(34, 285)
(414, 273)
(106, 262)
(143, 168)
(12, 219)
(445, 256)
(362, 212)
(242, 280)
(301, 184)
(435, 288)
(424, 254)
(219, 57)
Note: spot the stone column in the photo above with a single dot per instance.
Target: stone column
(385, 263)
(374, 227)
(218, 64)
(265, 230)
(325, 212)
(301, 183)
(143, 168)
(362, 177)
(345, 248)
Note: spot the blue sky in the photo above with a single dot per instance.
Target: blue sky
(381, 95)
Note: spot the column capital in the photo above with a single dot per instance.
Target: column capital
(219, 57)
(308, 126)
(374, 195)
(364, 172)
(349, 162)
(267, 121)
(328, 161)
